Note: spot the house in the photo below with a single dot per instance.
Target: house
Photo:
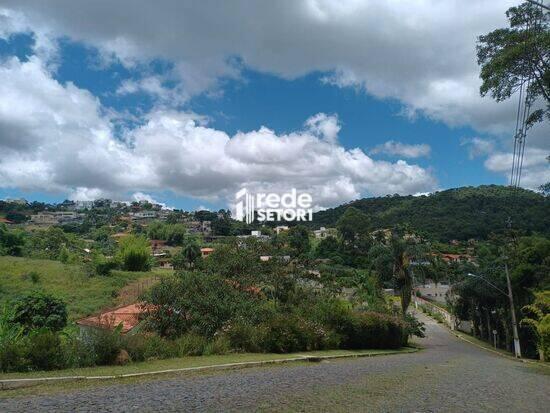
(5, 221)
(144, 215)
(157, 244)
(44, 218)
(81, 205)
(433, 291)
(323, 232)
(281, 228)
(17, 201)
(205, 252)
(129, 316)
(449, 258)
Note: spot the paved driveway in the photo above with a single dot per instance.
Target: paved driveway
(449, 375)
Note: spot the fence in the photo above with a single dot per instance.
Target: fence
(447, 317)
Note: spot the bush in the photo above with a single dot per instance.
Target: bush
(243, 336)
(191, 345)
(374, 330)
(43, 350)
(104, 344)
(199, 303)
(142, 347)
(135, 253)
(286, 333)
(38, 310)
(100, 265)
(220, 345)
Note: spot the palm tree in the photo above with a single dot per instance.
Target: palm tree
(401, 271)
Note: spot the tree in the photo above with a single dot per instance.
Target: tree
(508, 57)
(298, 239)
(537, 320)
(134, 253)
(353, 225)
(198, 303)
(187, 257)
(329, 247)
(38, 310)
(11, 242)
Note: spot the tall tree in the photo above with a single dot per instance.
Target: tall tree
(510, 56)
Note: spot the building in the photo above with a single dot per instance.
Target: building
(144, 215)
(129, 316)
(5, 221)
(281, 228)
(432, 291)
(205, 252)
(53, 218)
(449, 258)
(323, 232)
(81, 205)
(18, 201)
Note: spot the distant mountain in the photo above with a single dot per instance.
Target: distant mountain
(461, 213)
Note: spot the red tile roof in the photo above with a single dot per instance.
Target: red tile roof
(127, 315)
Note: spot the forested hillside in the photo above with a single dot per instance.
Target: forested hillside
(462, 213)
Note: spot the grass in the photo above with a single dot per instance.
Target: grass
(158, 365)
(191, 361)
(84, 295)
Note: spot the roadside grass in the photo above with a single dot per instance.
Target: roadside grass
(60, 386)
(84, 295)
(193, 361)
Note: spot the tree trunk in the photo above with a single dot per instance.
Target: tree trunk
(489, 330)
(507, 335)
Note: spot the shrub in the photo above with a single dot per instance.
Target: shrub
(135, 253)
(43, 350)
(38, 310)
(286, 333)
(104, 344)
(243, 336)
(141, 347)
(11, 342)
(199, 303)
(374, 330)
(220, 345)
(103, 266)
(191, 345)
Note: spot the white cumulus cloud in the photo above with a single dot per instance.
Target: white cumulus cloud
(56, 137)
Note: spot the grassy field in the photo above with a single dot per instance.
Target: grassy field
(84, 295)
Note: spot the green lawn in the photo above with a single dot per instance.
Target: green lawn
(84, 295)
(186, 362)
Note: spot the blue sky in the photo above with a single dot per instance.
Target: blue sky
(138, 97)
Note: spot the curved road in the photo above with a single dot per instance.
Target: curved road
(448, 376)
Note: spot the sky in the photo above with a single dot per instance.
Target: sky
(186, 102)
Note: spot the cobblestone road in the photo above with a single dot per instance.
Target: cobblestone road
(449, 375)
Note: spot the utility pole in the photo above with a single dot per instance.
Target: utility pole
(517, 348)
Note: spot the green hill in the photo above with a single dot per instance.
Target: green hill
(461, 213)
(84, 295)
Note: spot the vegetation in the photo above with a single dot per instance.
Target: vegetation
(454, 214)
(83, 294)
(510, 56)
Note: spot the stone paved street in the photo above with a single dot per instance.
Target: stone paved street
(449, 375)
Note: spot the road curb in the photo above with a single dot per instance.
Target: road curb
(9, 384)
(532, 362)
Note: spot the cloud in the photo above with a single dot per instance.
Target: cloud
(394, 148)
(56, 137)
(478, 146)
(418, 52)
(535, 167)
